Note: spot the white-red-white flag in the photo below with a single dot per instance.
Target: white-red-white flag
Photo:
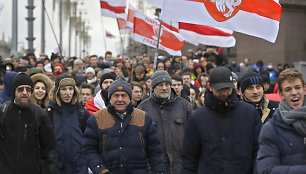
(109, 34)
(146, 32)
(202, 34)
(259, 18)
(130, 16)
(111, 8)
(121, 21)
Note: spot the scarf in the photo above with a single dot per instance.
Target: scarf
(92, 81)
(294, 117)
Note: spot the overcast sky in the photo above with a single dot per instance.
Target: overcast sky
(93, 18)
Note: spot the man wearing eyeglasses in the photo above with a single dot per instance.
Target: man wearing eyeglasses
(27, 143)
(121, 139)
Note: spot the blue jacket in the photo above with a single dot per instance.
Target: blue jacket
(122, 146)
(7, 93)
(221, 137)
(69, 137)
(282, 150)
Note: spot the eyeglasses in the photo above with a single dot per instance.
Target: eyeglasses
(21, 89)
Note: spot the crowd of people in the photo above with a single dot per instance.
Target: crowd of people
(196, 113)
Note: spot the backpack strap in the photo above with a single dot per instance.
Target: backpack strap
(3, 112)
(82, 118)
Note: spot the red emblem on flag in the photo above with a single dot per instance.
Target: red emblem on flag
(222, 10)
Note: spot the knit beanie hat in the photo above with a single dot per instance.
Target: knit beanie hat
(159, 77)
(90, 69)
(77, 61)
(107, 76)
(21, 79)
(249, 78)
(120, 85)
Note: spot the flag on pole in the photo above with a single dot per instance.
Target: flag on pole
(109, 34)
(121, 21)
(111, 8)
(259, 18)
(202, 34)
(130, 16)
(146, 32)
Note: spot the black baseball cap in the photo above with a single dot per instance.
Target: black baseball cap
(221, 77)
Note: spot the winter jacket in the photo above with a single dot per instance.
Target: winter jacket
(122, 146)
(95, 104)
(169, 119)
(281, 148)
(69, 137)
(28, 143)
(7, 93)
(221, 137)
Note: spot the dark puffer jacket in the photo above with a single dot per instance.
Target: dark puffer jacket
(122, 146)
(7, 93)
(221, 138)
(169, 119)
(282, 150)
(69, 137)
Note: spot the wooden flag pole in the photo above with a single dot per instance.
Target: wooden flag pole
(157, 45)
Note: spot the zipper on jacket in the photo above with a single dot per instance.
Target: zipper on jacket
(103, 143)
(304, 140)
(121, 125)
(141, 142)
(25, 132)
(18, 140)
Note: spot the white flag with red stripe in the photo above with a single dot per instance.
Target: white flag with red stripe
(146, 32)
(130, 16)
(202, 34)
(259, 18)
(121, 21)
(111, 8)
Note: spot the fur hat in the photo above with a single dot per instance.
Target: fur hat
(120, 85)
(77, 61)
(48, 83)
(159, 77)
(61, 81)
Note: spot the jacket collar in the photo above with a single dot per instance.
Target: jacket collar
(214, 103)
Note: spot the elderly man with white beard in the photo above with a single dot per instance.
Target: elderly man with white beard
(169, 114)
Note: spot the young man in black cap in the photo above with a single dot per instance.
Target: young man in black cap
(101, 100)
(221, 137)
(169, 114)
(251, 89)
(121, 139)
(27, 137)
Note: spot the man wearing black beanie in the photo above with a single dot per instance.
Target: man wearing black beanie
(251, 88)
(27, 138)
(101, 100)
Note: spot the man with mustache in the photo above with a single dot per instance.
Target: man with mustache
(251, 88)
(101, 100)
(169, 115)
(27, 138)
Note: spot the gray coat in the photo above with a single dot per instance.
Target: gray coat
(169, 119)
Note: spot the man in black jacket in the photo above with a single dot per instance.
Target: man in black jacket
(27, 143)
(251, 88)
(221, 137)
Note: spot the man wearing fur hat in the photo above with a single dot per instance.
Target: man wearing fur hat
(27, 137)
(69, 121)
(169, 115)
(101, 100)
(282, 139)
(251, 89)
(121, 139)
